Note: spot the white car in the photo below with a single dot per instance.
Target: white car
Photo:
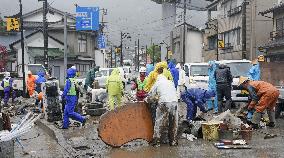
(102, 75)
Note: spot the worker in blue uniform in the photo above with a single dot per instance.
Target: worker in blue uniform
(175, 73)
(212, 86)
(194, 98)
(69, 95)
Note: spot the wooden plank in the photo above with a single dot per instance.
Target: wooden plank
(122, 125)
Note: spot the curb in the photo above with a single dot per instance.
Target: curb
(56, 134)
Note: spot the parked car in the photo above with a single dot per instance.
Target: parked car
(104, 73)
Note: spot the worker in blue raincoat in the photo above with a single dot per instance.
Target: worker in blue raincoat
(254, 72)
(194, 98)
(149, 69)
(175, 73)
(254, 75)
(69, 95)
(7, 84)
(41, 79)
(212, 86)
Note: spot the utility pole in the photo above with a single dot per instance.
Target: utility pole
(138, 53)
(146, 54)
(184, 27)
(111, 56)
(23, 48)
(65, 44)
(135, 57)
(45, 34)
(121, 56)
(115, 58)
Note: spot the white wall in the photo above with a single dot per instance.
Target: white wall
(193, 47)
(50, 17)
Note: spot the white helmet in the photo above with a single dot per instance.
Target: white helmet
(142, 69)
(7, 74)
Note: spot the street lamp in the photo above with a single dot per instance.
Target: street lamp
(214, 27)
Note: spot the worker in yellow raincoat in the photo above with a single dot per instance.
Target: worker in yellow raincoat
(151, 79)
(114, 88)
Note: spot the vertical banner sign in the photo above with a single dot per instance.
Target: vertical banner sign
(101, 42)
(13, 24)
(87, 18)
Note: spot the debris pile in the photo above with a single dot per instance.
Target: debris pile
(53, 107)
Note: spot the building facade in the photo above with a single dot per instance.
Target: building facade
(82, 45)
(238, 27)
(193, 44)
(274, 47)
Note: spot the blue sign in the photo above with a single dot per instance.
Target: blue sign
(87, 18)
(101, 42)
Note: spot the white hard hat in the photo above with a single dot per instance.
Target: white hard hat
(142, 69)
(73, 67)
(29, 72)
(7, 74)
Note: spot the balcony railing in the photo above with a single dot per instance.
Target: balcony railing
(234, 11)
(276, 35)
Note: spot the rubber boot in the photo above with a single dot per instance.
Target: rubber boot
(271, 115)
(256, 118)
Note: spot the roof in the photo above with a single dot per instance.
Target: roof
(50, 9)
(275, 8)
(191, 27)
(33, 33)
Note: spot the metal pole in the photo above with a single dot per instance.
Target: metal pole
(115, 58)
(135, 58)
(65, 44)
(153, 55)
(146, 54)
(217, 49)
(184, 23)
(121, 57)
(138, 55)
(111, 56)
(45, 34)
(23, 48)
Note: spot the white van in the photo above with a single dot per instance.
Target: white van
(196, 75)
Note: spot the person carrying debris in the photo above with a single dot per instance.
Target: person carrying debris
(212, 86)
(7, 84)
(194, 98)
(167, 110)
(31, 83)
(69, 95)
(224, 81)
(254, 75)
(263, 97)
(38, 82)
(141, 94)
(114, 88)
(181, 80)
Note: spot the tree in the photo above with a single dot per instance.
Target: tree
(157, 53)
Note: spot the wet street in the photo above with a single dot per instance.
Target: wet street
(84, 142)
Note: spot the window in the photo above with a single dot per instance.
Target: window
(238, 31)
(279, 27)
(212, 42)
(82, 43)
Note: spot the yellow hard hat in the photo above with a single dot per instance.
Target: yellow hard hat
(242, 80)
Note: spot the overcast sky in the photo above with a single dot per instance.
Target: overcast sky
(123, 15)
